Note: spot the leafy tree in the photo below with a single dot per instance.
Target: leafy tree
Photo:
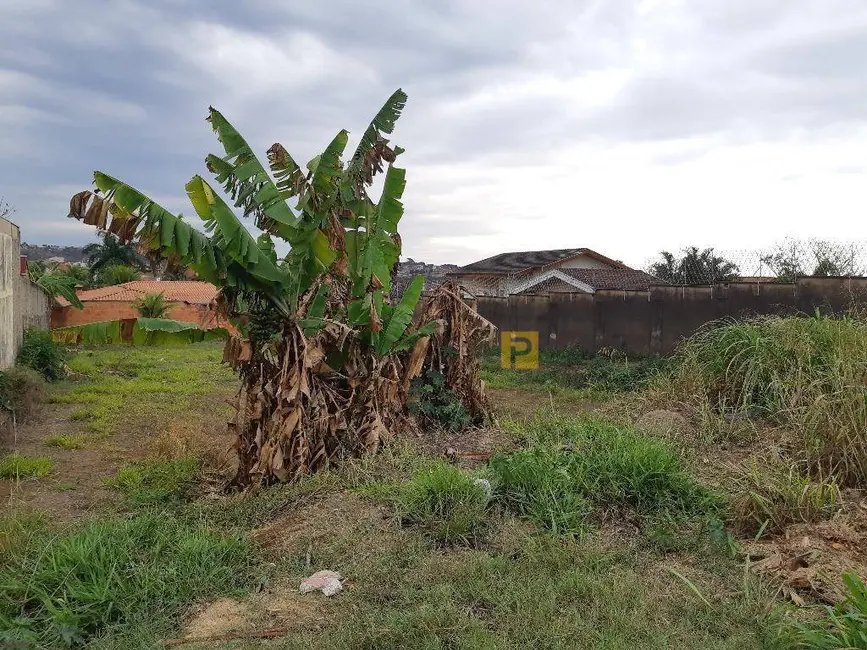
(321, 351)
(113, 274)
(694, 266)
(110, 252)
(152, 305)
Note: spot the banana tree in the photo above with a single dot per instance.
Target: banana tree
(319, 351)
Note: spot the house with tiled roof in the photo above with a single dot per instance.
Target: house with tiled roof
(187, 301)
(566, 270)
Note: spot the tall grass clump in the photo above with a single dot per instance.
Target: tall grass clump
(806, 374)
(445, 502)
(573, 464)
(843, 627)
(115, 576)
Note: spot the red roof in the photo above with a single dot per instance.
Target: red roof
(195, 293)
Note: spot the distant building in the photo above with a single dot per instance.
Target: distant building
(188, 301)
(567, 270)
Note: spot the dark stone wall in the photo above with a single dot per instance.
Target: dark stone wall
(655, 321)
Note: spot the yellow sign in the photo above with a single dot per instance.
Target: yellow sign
(519, 350)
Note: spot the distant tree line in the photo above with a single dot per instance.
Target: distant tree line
(786, 262)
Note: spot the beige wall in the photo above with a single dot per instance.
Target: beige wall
(22, 303)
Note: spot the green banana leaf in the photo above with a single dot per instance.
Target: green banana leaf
(145, 331)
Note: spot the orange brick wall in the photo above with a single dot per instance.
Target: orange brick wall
(97, 311)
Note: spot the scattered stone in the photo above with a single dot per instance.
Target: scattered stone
(663, 422)
(328, 582)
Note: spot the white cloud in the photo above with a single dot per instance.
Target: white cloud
(624, 125)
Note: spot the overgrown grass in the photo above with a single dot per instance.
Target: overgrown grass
(843, 627)
(804, 373)
(126, 387)
(572, 464)
(769, 496)
(155, 480)
(18, 466)
(571, 370)
(523, 588)
(22, 390)
(125, 579)
(445, 502)
(64, 441)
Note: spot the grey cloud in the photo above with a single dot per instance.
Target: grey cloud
(124, 86)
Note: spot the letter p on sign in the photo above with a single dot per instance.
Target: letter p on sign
(519, 350)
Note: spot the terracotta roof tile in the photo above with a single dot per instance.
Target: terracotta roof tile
(195, 293)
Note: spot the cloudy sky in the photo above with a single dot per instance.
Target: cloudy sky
(626, 126)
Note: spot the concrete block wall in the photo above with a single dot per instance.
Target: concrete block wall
(654, 322)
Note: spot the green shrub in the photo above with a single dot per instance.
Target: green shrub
(41, 353)
(21, 391)
(112, 575)
(17, 466)
(436, 403)
(155, 480)
(843, 627)
(116, 274)
(445, 502)
(573, 463)
(805, 374)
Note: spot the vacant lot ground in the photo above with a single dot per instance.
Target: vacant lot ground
(597, 535)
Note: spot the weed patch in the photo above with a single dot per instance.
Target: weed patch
(769, 497)
(445, 502)
(21, 391)
(66, 441)
(805, 374)
(571, 464)
(843, 627)
(17, 466)
(117, 577)
(155, 480)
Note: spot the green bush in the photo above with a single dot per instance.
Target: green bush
(445, 502)
(843, 627)
(436, 403)
(62, 590)
(155, 480)
(115, 274)
(41, 353)
(571, 464)
(21, 391)
(806, 374)
(16, 466)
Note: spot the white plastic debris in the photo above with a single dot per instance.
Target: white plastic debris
(329, 583)
(485, 485)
